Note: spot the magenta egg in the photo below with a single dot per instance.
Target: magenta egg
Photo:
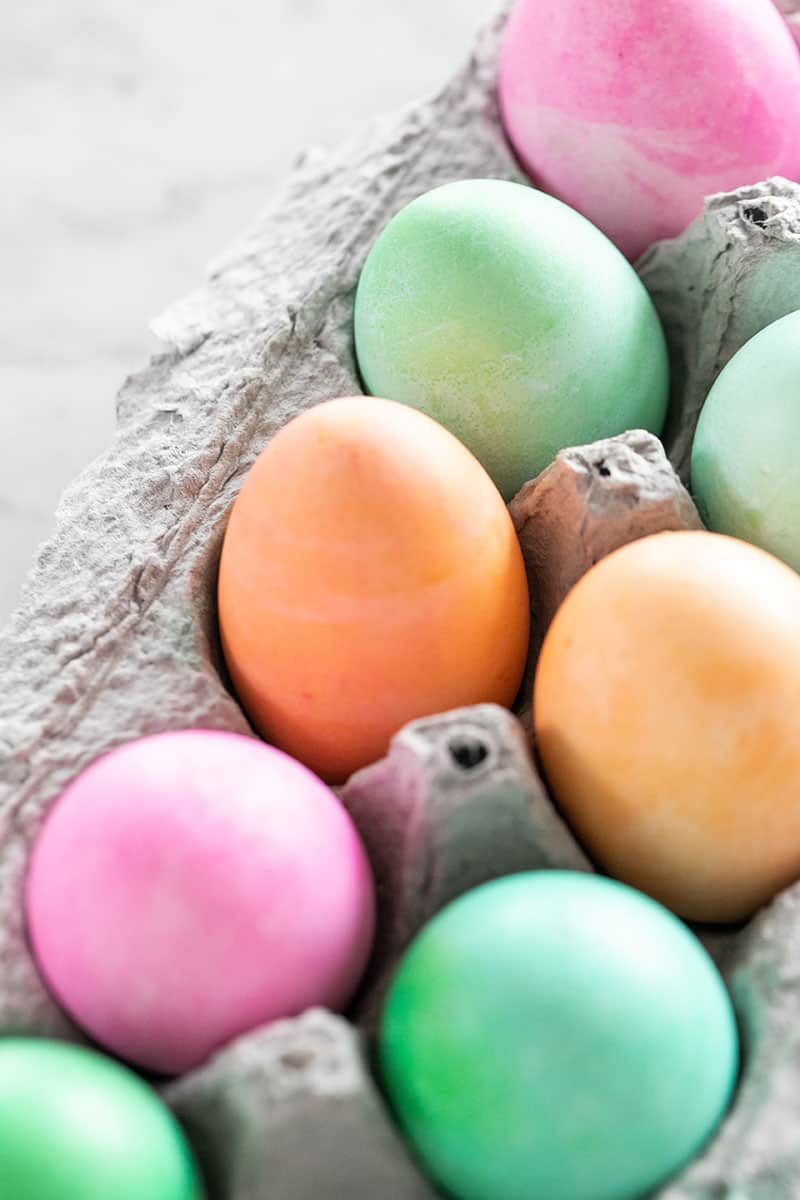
(632, 112)
(191, 886)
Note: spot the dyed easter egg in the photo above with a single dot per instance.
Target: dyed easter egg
(510, 319)
(75, 1125)
(633, 112)
(191, 886)
(556, 1036)
(745, 464)
(370, 574)
(665, 710)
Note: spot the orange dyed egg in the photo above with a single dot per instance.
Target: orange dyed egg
(666, 708)
(370, 574)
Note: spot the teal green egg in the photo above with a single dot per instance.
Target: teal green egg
(75, 1125)
(745, 460)
(556, 1036)
(512, 321)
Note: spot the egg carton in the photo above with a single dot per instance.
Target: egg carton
(115, 638)
(791, 11)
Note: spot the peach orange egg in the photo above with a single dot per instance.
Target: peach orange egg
(370, 574)
(666, 711)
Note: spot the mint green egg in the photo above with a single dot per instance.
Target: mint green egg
(75, 1125)
(514, 322)
(745, 460)
(556, 1036)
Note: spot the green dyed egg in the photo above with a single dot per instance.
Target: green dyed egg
(556, 1036)
(745, 460)
(511, 320)
(75, 1125)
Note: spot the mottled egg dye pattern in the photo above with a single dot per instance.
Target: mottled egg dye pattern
(634, 111)
(212, 884)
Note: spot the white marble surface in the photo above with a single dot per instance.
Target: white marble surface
(138, 139)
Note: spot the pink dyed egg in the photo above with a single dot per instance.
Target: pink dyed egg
(191, 886)
(633, 110)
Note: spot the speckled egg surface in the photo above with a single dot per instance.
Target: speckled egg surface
(191, 886)
(507, 317)
(665, 710)
(634, 110)
(746, 452)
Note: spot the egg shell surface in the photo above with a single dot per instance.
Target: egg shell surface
(191, 886)
(74, 1125)
(507, 317)
(665, 711)
(745, 461)
(634, 111)
(556, 1036)
(370, 574)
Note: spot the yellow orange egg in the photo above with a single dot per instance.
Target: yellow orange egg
(667, 714)
(370, 574)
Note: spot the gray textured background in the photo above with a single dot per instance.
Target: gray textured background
(138, 139)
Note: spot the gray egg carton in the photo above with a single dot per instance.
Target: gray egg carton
(115, 638)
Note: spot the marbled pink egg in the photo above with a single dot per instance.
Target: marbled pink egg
(191, 886)
(633, 110)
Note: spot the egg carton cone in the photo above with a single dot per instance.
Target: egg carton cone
(791, 11)
(115, 638)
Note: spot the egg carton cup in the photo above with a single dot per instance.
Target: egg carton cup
(115, 638)
(791, 11)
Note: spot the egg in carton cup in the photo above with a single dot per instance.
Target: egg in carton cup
(116, 638)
